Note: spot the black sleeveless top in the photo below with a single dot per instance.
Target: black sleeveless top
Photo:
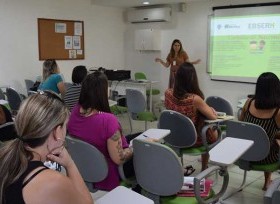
(271, 128)
(13, 193)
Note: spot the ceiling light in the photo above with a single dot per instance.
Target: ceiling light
(146, 2)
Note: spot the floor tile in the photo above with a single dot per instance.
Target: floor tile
(252, 193)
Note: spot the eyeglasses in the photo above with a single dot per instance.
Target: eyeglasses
(50, 94)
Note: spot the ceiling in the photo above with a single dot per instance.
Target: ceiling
(136, 3)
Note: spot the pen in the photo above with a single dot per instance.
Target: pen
(145, 136)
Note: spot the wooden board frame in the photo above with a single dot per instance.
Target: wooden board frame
(52, 43)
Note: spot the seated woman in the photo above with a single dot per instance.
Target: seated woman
(92, 122)
(8, 132)
(263, 110)
(188, 99)
(52, 80)
(41, 129)
(73, 92)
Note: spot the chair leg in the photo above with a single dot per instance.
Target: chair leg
(130, 122)
(151, 196)
(240, 188)
(182, 160)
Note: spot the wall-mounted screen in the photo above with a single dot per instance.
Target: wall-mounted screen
(244, 42)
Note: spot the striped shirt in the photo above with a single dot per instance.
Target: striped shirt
(271, 128)
(72, 95)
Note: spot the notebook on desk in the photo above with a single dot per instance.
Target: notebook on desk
(152, 133)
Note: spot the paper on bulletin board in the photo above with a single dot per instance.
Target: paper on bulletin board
(76, 42)
(79, 52)
(60, 27)
(78, 28)
(72, 54)
(68, 42)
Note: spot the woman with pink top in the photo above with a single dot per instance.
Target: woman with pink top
(92, 122)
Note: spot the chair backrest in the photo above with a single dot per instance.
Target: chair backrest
(139, 75)
(220, 104)
(249, 131)
(156, 175)
(14, 99)
(67, 85)
(90, 161)
(135, 101)
(183, 133)
(2, 95)
(28, 84)
(7, 132)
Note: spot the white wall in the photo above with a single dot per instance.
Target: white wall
(191, 28)
(19, 59)
(109, 41)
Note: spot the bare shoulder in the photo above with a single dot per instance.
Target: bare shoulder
(277, 118)
(197, 100)
(49, 186)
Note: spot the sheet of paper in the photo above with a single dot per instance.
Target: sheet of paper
(68, 44)
(60, 27)
(77, 42)
(78, 28)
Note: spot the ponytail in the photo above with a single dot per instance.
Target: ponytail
(14, 161)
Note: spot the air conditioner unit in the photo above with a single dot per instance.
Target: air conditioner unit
(149, 15)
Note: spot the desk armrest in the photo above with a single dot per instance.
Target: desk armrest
(204, 135)
(197, 179)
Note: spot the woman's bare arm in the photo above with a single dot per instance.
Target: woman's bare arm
(61, 88)
(204, 109)
(116, 151)
(165, 64)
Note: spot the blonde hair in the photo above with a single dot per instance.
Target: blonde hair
(49, 67)
(38, 115)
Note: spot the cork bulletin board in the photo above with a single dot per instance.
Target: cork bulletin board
(60, 39)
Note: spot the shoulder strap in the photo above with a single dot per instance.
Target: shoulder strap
(275, 112)
(31, 177)
(249, 105)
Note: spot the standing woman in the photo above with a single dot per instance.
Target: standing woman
(263, 110)
(175, 58)
(52, 79)
(41, 129)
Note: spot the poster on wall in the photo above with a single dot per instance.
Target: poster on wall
(72, 54)
(68, 42)
(60, 27)
(78, 28)
(76, 42)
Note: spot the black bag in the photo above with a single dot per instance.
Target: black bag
(35, 86)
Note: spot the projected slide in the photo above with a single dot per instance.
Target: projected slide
(243, 47)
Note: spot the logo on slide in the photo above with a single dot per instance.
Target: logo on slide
(261, 25)
(219, 26)
(230, 26)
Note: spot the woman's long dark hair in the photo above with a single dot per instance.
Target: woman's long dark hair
(94, 92)
(186, 81)
(172, 52)
(267, 94)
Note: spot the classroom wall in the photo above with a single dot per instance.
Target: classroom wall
(191, 28)
(109, 41)
(104, 38)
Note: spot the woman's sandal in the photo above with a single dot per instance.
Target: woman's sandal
(189, 170)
